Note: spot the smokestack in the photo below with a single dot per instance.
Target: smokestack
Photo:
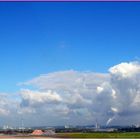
(97, 125)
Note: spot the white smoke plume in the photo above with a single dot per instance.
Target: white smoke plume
(110, 120)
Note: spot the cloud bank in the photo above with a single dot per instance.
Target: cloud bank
(73, 97)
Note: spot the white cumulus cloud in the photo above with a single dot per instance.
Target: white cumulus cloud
(80, 97)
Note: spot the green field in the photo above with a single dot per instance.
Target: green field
(100, 135)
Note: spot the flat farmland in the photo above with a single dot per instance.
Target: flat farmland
(99, 135)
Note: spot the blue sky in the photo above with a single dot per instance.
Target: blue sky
(38, 38)
(64, 40)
